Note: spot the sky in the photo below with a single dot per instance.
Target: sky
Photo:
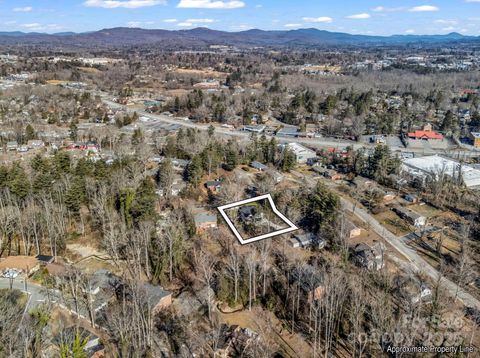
(370, 17)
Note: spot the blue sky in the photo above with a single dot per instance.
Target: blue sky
(379, 17)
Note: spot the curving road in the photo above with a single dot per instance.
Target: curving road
(416, 262)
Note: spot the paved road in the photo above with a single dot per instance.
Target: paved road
(37, 294)
(416, 262)
(320, 142)
(324, 142)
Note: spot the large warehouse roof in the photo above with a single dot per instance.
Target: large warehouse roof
(435, 165)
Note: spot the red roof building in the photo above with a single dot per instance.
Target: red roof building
(425, 135)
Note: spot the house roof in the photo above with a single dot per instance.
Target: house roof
(288, 131)
(45, 258)
(247, 210)
(407, 213)
(476, 134)
(204, 217)
(425, 134)
(155, 294)
(213, 183)
(258, 165)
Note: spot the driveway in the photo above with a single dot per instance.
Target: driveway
(37, 294)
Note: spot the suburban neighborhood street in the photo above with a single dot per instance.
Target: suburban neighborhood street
(417, 263)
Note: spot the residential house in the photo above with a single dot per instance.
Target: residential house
(388, 196)
(204, 220)
(412, 198)
(308, 239)
(157, 297)
(412, 290)
(259, 166)
(369, 257)
(180, 164)
(233, 340)
(309, 280)
(328, 173)
(410, 216)
(35, 144)
(13, 145)
(213, 185)
(362, 183)
(475, 138)
(249, 213)
(351, 230)
(277, 177)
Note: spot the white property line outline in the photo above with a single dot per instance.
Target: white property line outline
(292, 226)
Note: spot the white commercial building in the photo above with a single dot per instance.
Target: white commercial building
(435, 165)
(302, 154)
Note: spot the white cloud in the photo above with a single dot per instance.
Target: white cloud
(241, 27)
(318, 19)
(134, 24)
(210, 4)
(359, 16)
(258, 6)
(170, 20)
(129, 4)
(409, 31)
(201, 21)
(139, 23)
(387, 9)
(472, 0)
(292, 25)
(445, 22)
(424, 8)
(449, 28)
(35, 26)
(23, 9)
(185, 24)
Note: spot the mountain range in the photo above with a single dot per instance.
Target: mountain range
(123, 36)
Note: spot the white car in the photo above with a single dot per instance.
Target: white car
(11, 273)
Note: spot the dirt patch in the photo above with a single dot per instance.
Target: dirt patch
(204, 72)
(83, 251)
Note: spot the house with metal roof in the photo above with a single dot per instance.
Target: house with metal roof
(259, 166)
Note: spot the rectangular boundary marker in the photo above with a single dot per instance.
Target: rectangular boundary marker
(292, 226)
